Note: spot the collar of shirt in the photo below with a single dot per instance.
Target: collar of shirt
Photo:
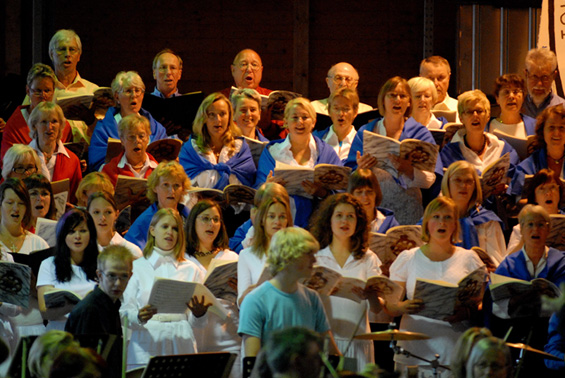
(77, 82)
(332, 139)
(531, 106)
(158, 93)
(281, 152)
(148, 163)
(535, 270)
(157, 259)
(59, 150)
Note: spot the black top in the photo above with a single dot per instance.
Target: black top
(95, 314)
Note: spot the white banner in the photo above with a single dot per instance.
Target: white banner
(552, 36)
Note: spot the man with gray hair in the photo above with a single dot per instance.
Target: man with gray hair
(340, 75)
(438, 70)
(65, 50)
(541, 68)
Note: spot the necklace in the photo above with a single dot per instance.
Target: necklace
(481, 150)
(10, 241)
(204, 254)
(557, 161)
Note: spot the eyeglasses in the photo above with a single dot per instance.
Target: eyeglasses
(40, 92)
(27, 170)
(114, 277)
(244, 65)
(470, 112)
(63, 50)
(507, 92)
(206, 219)
(134, 138)
(338, 79)
(132, 91)
(535, 78)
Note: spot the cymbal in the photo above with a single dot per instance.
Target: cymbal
(534, 350)
(392, 334)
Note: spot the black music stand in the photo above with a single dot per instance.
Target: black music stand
(210, 365)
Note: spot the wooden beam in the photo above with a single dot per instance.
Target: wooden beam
(301, 45)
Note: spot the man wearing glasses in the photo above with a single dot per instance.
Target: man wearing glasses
(541, 68)
(247, 72)
(341, 75)
(98, 313)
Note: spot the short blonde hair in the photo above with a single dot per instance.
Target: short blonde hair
(467, 99)
(302, 102)
(179, 249)
(245, 93)
(346, 93)
(46, 108)
(94, 181)
(420, 84)
(530, 210)
(129, 122)
(166, 169)
(46, 348)
(288, 245)
(436, 205)
(435, 60)
(463, 166)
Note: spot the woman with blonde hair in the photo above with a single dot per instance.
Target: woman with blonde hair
(424, 96)
(20, 161)
(463, 348)
(157, 334)
(128, 89)
(247, 112)
(92, 183)
(438, 259)
(272, 215)
(46, 123)
(216, 155)
(479, 227)
(300, 149)
(166, 186)
(473, 143)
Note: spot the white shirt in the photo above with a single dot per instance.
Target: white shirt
(517, 130)
(31, 244)
(535, 270)
(321, 107)
(377, 222)
(448, 104)
(148, 163)
(281, 153)
(343, 314)
(434, 123)
(48, 168)
(209, 178)
(249, 269)
(117, 239)
(341, 148)
(493, 151)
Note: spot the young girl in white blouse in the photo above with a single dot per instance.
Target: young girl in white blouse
(438, 259)
(206, 241)
(340, 226)
(73, 267)
(273, 215)
(157, 334)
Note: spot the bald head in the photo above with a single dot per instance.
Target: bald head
(247, 69)
(342, 75)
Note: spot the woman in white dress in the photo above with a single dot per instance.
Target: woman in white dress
(14, 239)
(207, 244)
(104, 211)
(73, 266)
(273, 215)
(438, 259)
(341, 228)
(158, 334)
